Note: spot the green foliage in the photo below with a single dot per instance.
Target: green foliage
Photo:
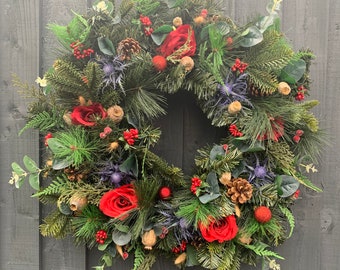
(139, 257)
(73, 146)
(87, 223)
(146, 7)
(77, 29)
(290, 218)
(56, 225)
(261, 249)
(45, 121)
(146, 264)
(280, 155)
(265, 195)
(54, 188)
(267, 58)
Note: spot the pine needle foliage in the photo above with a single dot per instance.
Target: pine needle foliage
(146, 264)
(280, 155)
(87, 224)
(53, 189)
(56, 225)
(73, 146)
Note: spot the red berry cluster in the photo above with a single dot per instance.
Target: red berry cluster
(47, 137)
(165, 231)
(239, 65)
(180, 248)
(101, 236)
(78, 52)
(195, 183)
(297, 135)
(130, 135)
(234, 131)
(301, 93)
(107, 131)
(146, 22)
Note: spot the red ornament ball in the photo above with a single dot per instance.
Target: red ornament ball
(159, 62)
(164, 193)
(263, 214)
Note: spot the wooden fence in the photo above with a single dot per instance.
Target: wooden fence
(27, 49)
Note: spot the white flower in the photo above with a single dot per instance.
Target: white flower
(101, 6)
(41, 81)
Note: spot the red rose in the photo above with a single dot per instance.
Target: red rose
(118, 202)
(87, 115)
(176, 39)
(220, 230)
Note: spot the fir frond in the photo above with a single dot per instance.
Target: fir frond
(45, 121)
(146, 264)
(139, 257)
(230, 260)
(306, 182)
(147, 7)
(290, 218)
(55, 188)
(211, 256)
(56, 225)
(261, 250)
(280, 156)
(93, 77)
(265, 195)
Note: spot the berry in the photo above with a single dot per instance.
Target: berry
(101, 236)
(296, 138)
(299, 132)
(262, 214)
(164, 193)
(159, 62)
(47, 137)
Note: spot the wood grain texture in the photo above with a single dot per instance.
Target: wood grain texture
(19, 248)
(26, 48)
(58, 254)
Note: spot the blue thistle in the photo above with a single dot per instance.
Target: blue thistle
(259, 172)
(113, 71)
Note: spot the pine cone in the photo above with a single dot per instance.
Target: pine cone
(239, 190)
(128, 47)
(256, 92)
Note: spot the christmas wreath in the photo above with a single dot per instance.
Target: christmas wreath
(96, 109)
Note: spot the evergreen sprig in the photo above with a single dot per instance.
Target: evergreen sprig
(56, 225)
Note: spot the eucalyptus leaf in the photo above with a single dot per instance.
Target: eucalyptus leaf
(251, 37)
(213, 183)
(287, 185)
(244, 147)
(59, 164)
(106, 46)
(30, 164)
(107, 259)
(56, 146)
(121, 238)
(17, 169)
(33, 179)
(161, 33)
(223, 28)
(216, 152)
(208, 197)
(293, 72)
(102, 247)
(130, 165)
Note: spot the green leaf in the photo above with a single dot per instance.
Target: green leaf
(251, 37)
(213, 183)
(56, 146)
(217, 152)
(294, 71)
(223, 28)
(208, 197)
(17, 169)
(161, 33)
(121, 238)
(106, 46)
(59, 164)
(30, 164)
(245, 147)
(287, 185)
(102, 247)
(33, 179)
(130, 165)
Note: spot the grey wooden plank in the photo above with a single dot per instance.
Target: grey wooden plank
(19, 50)
(58, 254)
